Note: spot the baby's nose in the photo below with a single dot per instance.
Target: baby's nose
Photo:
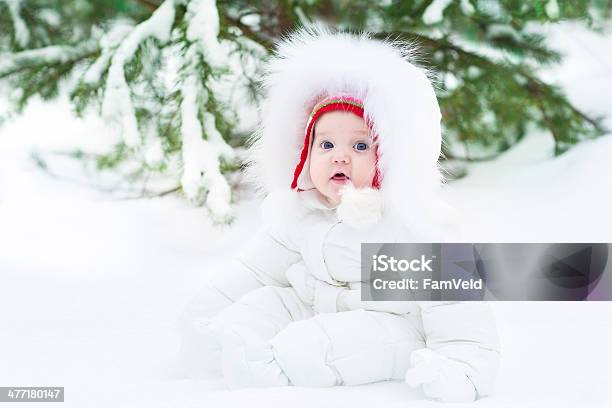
(341, 157)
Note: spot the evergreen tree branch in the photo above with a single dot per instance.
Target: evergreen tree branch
(150, 4)
(541, 90)
(52, 55)
(117, 105)
(470, 159)
(257, 36)
(535, 88)
(547, 119)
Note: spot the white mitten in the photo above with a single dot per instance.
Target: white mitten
(440, 377)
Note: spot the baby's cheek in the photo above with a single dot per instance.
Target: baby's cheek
(365, 172)
(315, 169)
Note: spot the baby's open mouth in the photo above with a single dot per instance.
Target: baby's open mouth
(340, 177)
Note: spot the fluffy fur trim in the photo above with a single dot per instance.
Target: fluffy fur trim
(316, 61)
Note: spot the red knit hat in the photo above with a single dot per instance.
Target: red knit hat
(331, 103)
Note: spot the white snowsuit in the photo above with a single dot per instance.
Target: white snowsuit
(288, 311)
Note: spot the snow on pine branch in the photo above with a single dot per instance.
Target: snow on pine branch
(117, 106)
(52, 55)
(108, 43)
(201, 166)
(22, 35)
(214, 137)
(203, 28)
(434, 12)
(179, 102)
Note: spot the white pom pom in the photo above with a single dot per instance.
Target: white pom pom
(360, 207)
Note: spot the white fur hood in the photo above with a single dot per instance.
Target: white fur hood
(315, 62)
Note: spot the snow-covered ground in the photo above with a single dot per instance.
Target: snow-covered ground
(91, 285)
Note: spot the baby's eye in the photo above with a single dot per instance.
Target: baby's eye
(326, 144)
(361, 146)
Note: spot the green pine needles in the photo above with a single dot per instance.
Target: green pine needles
(164, 73)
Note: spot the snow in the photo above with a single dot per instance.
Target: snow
(434, 12)
(492, 8)
(473, 72)
(95, 71)
(46, 55)
(252, 20)
(502, 30)
(216, 139)
(154, 151)
(22, 35)
(117, 106)
(466, 7)
(552, 9)
(108, 43)
(201, 157)
(50, 16)
(203, 28)
(194, 148)
(451, 82)
(92, 286)
(203, 145)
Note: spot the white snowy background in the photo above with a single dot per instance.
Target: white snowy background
(92, 284)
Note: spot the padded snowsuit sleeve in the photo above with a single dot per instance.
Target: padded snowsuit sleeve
(263, 261)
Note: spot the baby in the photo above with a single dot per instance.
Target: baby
(347, 153)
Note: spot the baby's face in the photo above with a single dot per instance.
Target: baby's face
(341, 153)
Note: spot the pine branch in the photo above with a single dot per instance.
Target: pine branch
(259, 37)
(540, 89)
(150, 4)
(52, 55)
(449, 156)
(534, 87)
